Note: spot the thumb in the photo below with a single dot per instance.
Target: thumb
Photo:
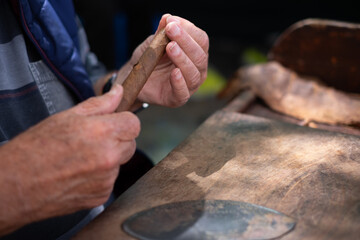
(104, 104)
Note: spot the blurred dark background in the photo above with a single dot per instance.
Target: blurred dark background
(116, 27)
(240, 32)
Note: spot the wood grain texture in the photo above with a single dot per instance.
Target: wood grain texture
(322, 48)
(308, 174)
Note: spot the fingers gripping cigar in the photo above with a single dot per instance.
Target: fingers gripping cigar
(142, 70)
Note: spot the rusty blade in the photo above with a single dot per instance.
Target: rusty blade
(208, 219)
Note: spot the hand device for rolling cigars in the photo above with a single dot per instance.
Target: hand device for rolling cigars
(142, 70)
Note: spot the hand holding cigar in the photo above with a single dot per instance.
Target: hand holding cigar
(171, 80)
(142, 70)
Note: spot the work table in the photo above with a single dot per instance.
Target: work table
(308, 174)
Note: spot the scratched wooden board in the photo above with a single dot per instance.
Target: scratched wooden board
(311, 175)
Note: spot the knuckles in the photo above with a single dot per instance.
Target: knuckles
(180, 102)
(204, 41)
(128, 126)
(201, 60)
(90, 105)
(127, 152)
(101, 142)
(122, 126)
(195, 81)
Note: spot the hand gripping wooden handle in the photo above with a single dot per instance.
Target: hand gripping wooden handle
(142, 70)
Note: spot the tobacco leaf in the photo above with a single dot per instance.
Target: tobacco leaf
(285, 91)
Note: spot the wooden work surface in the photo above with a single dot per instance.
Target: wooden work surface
(311, 175)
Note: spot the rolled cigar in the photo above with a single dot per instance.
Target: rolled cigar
(142, 70)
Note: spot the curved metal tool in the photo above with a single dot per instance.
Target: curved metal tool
(208, 219)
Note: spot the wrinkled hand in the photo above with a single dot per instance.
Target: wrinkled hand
(182, 69)
(67, 162)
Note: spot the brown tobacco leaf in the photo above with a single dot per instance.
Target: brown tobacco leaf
(284, 91)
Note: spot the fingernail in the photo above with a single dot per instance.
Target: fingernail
(174, 48)
(115, 89)
(173, 29)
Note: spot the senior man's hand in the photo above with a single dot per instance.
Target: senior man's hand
(66, 163)
(182, 69)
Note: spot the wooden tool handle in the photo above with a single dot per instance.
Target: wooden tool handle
(142, 70)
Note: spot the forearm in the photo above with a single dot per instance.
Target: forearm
(14, 211)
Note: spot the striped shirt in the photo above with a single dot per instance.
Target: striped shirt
(30, 92)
